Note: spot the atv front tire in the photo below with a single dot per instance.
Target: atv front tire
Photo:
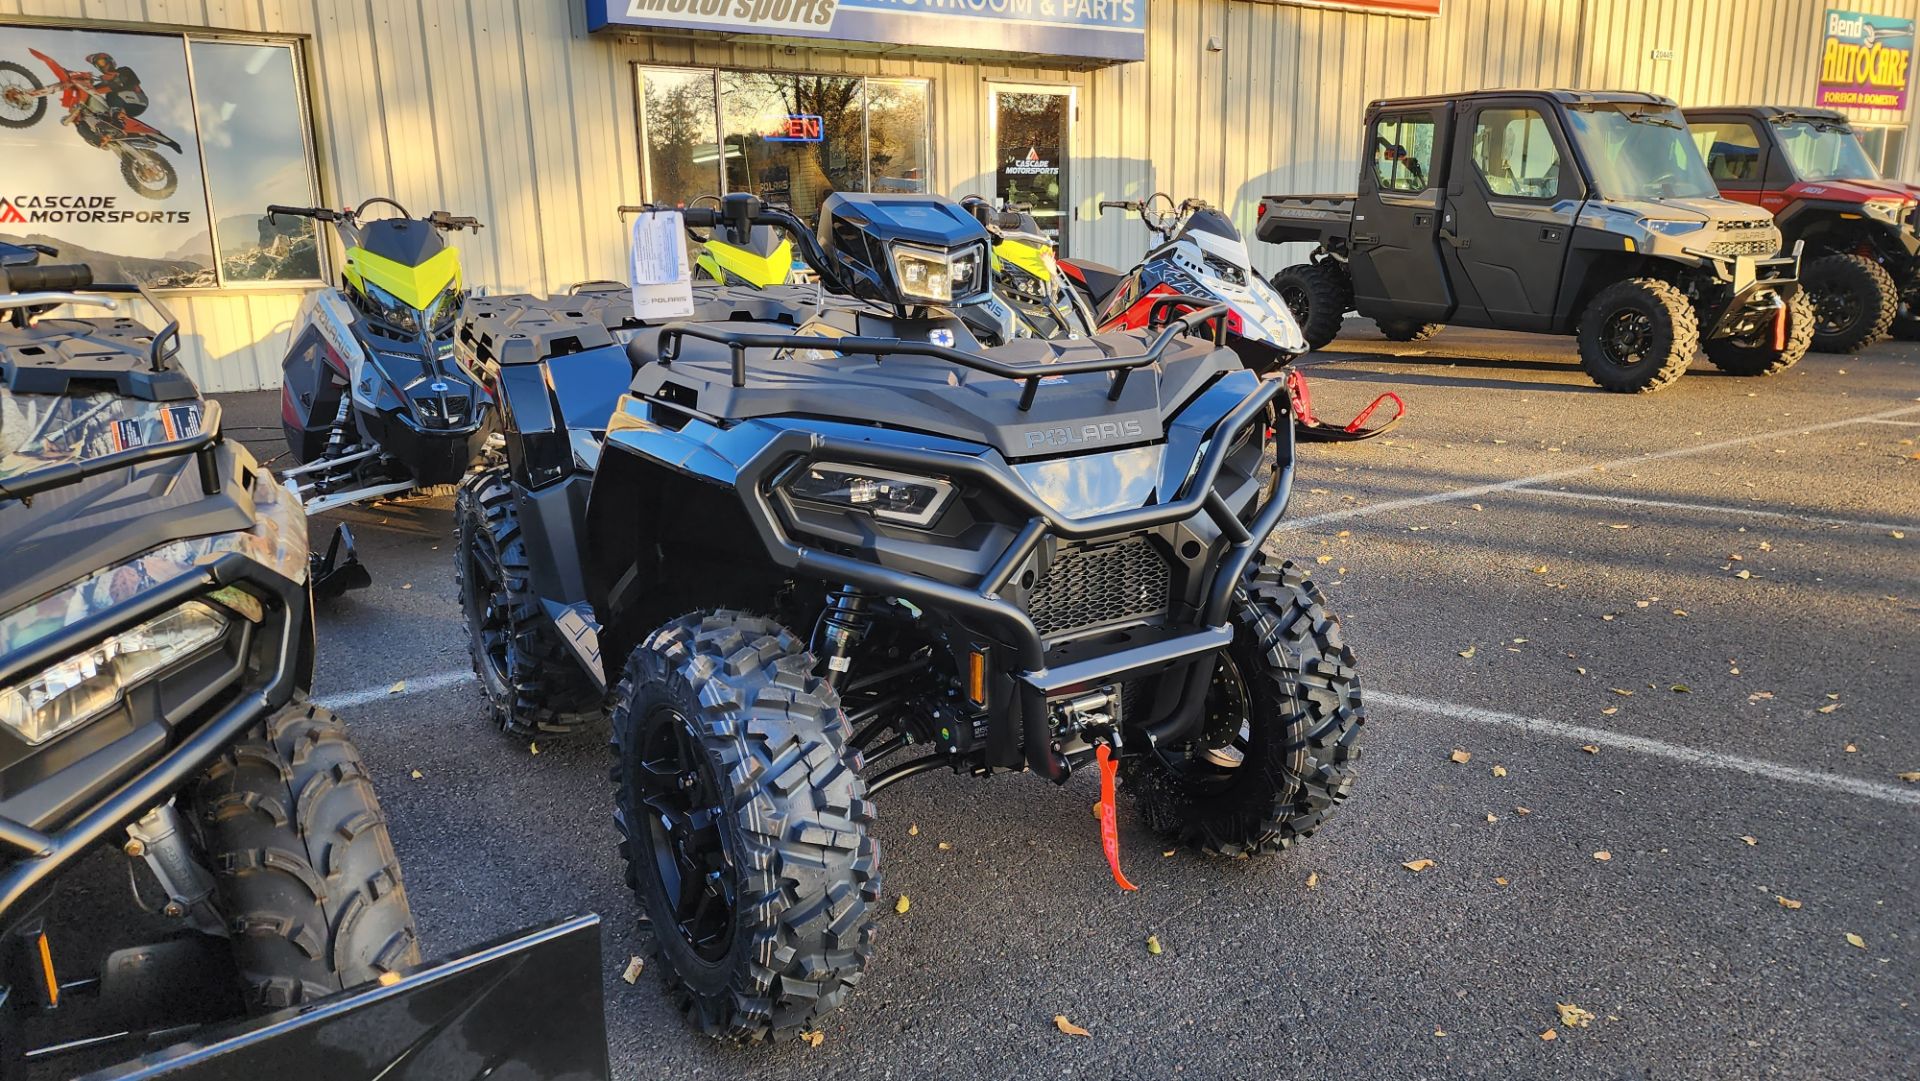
(1854, 302)
(302, 862)
(1406, 330)
(1283, 724)
(1318, 296)
(1638, 335)
(532, 683)
(744, 826)
(1755, 354)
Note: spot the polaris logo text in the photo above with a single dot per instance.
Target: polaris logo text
(756, 15)
(1107, 431)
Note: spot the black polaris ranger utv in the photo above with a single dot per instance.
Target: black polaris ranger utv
(819, 555)
(156, 646)
(1556, 211)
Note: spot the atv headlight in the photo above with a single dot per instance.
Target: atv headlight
(1886, 210)
(1671, 227)
(935, 275)
(893, 497)
(82, 687)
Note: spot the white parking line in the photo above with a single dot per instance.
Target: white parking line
(1692, 756)
(1901, 423)
(412, 685)
(1289, 525)
(1812, 519)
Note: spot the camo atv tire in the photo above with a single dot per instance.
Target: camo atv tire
(1318, 296)
(744, 825)
(1282, 728)
(532, 683)
(1755, 354)
(303, 866)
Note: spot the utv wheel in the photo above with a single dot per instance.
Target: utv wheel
(1755, 354)
(1283, 720)
(531, 681)
(1318, 296)
(743, 823)
(1638, 335)
(1854, 302)
(1405, 330)
(305, 871)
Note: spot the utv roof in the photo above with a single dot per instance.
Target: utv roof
(1563, 96)
(1770, 112)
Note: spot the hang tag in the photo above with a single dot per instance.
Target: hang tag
(661, 277)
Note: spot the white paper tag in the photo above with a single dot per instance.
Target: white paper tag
(662, 279)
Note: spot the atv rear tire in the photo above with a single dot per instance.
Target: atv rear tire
(305, 871)
(1318, 296)
(1284, 720)
(1403, 330)
(1854, 302)
(732, 760)
(531, 681)
(1638, 335)
(1755, 354)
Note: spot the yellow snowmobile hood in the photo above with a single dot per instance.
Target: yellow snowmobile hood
(759, 271)
(414, 286)
(1030, 257)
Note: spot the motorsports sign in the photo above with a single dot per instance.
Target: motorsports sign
(1094, 29)
(1863, 64)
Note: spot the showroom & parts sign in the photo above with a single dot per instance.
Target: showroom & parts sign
(1864, 61)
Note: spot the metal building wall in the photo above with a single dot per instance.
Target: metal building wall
(507, 110)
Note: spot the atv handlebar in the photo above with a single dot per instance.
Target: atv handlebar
(45, 279)
(317, 213)
(440, 219)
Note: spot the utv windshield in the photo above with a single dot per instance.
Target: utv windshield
(1825, 151)
(1637, 151)
(39, 431)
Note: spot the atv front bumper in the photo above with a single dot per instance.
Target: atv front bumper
(1755, 288)
(1181, 650)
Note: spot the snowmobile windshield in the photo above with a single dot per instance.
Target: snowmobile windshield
(1640, 151)
(1821, 150)
(42, 431)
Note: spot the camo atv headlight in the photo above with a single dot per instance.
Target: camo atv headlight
(893, 497)
(82, 687)
(935, 275)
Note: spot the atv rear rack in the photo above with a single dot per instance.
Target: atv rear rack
(1170, 327)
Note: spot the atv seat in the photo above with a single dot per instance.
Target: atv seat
(1100, 279)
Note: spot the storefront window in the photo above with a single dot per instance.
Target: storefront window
(104, 133)
(1883, 146)
(1030, 150)
(791, 138)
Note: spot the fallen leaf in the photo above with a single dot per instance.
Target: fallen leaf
(1523, 810)
(1607, 618)
(1856, 940)
(1519, 641)
(417, 775)
(1550, 1035)
(406, 585)
(1610, 711)
(1417, 866)
(1603, 855)
(1462, 757)
(1580, 670)
(1153, 945)
(1851, 749)
(1897, 535)
(1499, 771)
(1828, 708)
(1168, 852)
(1759, 696)
(1467, 652)
(1344, 533)
(1499, 881)
(1786, 902)
(814, 1038)
(1477, 506)
(1323, 559)
(1573, 1016)
(902, 905)
(1591, 748)
(1060, 1022)
(1439, 1032)
(1681, 612)
(1734, 556)
(1751, 841)
(1491, 817)
(1541, 569)
(634, 967)
(398, 686)
(1313, 880)
(1912, 776)
(945, 847)
(533, 748)
(1680, 688)
(1621, 691)
(1743, 573)
(1611, 525)
(913, 830)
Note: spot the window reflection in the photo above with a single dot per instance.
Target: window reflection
(683, 154)
(897, 152)
(792, 139)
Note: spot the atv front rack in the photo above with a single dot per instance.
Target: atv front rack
(984, 600)
(1174, 326)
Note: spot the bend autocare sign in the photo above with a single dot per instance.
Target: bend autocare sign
(1863, 64)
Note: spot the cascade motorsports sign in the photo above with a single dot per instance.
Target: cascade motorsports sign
(1863, 63)
(1092, 29)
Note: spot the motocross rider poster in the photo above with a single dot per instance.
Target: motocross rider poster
(102, 155)
(1863, 62)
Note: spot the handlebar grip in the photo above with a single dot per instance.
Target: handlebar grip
(45, 279)
(699, 217)
(1119, 203)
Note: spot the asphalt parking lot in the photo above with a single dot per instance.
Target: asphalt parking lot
(1677, 635)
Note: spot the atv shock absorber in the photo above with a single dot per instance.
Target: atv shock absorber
(846, 622)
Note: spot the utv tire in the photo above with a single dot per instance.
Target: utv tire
(1755, 354)
(303, 865)
(1401, 330)
(1318, 296)
(1638, 335)
(731, 756)
(1854, 302)
(1284, 717)
(531, 681)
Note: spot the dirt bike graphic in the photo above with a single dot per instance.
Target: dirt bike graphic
(23, 103)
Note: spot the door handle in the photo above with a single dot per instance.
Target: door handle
(1364, 239)
(1422, 220)
(1454, 239)
(1551, 233)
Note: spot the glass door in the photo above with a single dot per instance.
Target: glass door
(1031, 133)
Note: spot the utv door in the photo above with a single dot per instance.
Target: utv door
(1395, 255)
(1511, 205)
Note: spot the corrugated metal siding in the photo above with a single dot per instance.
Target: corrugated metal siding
(505, 109)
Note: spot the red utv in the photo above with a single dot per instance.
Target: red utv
(1862, 231)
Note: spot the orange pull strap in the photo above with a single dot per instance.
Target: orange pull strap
(1109, 819)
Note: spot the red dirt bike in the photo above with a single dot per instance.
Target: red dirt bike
(23, 103)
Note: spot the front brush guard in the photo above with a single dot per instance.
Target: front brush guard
(1312, 429)
(339, 569)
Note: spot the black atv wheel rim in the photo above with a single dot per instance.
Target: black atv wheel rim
(1627, 337)
(487, 595)
(1296, 300)
(1226, 740)
(684, 809)
(1835, 310)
